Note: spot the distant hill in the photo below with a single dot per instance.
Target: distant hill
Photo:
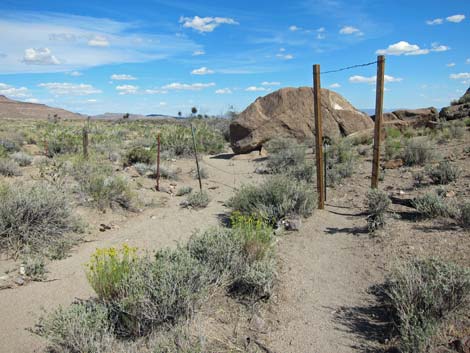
(12, 109)
(118, 116)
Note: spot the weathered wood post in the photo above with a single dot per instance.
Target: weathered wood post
(85, 143)
(318, 137)
(378, 120)
(157, 187)
(195, 156)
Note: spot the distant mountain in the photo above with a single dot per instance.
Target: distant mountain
(11, 109)
(118, 116)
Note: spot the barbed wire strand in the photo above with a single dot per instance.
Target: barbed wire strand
(348, 68)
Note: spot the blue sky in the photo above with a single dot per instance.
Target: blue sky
(163, 56)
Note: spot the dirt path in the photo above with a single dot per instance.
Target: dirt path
(326, 271)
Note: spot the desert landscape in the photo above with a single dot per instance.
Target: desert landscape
(234, 177)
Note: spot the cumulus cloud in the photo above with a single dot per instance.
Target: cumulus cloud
(198, 52)
(155, 91)
(373, 79)
(335, 85)
(436, 21)
(202, 71)
(256, 89)
(285, 56)
(438, 48)
(39, 56)
(450, 64)
(206, 24)
(65, 88)
(294, 28)
(266, 83)
(13, 92)
(348, 30)
(122, 77)
(405, 48)
(223, 91)
(188, 87)
(456, 18)
(75, 73)
(127, 89)
(98, 41)
(460, 76)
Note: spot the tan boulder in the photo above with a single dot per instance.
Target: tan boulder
(288, 112)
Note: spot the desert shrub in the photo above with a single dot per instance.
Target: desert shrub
(432, 205)
(9, 145)
(419, 295)
(142, 168)
(198, 199)
(418, 151)
(166, 172)
(82, 327)
(443, 173)
(340, 157)
(419, 177)
(139, 154)
(305, 171)
(185, 190)
(157, 290)
(35, 217)
(276, 198)
(466, 122)
(108, 268)
(464, 216)
(202, 171)
(362, 139)
(9, 168)
(284, 153)
(392, 148)
(456, 129)
(23, 159)
(363, 150)
(61, 140)
(392, 133)
(34, 267)
(378, 204)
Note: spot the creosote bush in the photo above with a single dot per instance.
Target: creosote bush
(418, 151)
(443, 173)
(378, 204)
(275, 199)
(36, 218)
(139, 154)
(419, 295)
(9, 168)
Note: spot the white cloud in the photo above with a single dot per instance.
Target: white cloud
(13, 92)
(456, 18)
(285, 56)
(98, 41)
(256, 89)
(163, 104)
(373, 79)
(402, 47)
(122, 77)
(66, 88)
(127, 89)
(92, 100)
(155, 91)
(348, 30)
(450, 64)
(39, 56)
(188, 87)
(438, 48)
(198, 52)
(223, 91)
(460, 76)
(202, 71)
(282, 50)
(32, 100)
(205, 24)
(75, 73)
(467, 61)
(294, 28)
(265, 83)
(335, 85)
(436, 21)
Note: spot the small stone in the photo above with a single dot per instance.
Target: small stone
(19, 281)
(153, 217)
(22, 270)
(293, 224)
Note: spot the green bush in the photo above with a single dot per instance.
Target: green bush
(166, 172)
(82, 327)
(36, 218)
(9, 168)
(443, 173)
(433, 205)
(23, 159)
(61, 140)
(284, 153)
(418, 151)
(9, 145)
(202, 172)
(340, 158)
(419, 295)
(378, 204)
(139, 154)
(198, 199)
(392, 148)
(185, 190)
(276, 198)
(34, 267)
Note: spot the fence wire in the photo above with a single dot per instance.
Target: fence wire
(348, 68)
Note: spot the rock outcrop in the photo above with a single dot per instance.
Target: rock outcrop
(288, 112)
(411, 117)
(459, 109)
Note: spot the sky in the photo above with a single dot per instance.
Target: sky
(166, 56)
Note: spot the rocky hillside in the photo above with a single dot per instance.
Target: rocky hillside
(11, 109)
(289, 112)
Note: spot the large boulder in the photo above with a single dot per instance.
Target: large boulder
(288, 112)
(411, 117)
(459, 109)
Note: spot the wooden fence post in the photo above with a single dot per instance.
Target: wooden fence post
(158, 162)
(197, 160)
(85, 143)
(379, 101)
(318, 137)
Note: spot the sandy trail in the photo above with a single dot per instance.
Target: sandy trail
(323, 269)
